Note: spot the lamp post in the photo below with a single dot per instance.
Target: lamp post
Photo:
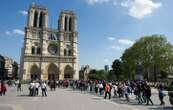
(139, 71)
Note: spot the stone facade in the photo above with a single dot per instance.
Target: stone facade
(49, 53)
(11, 68)
(84, 72)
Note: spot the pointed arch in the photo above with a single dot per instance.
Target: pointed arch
(34, 72)
(32, 50)
(68, 72)
(65, 52)
(65, 23)
(35, 19)
(42, 20)
(53, 72)
(70, 24)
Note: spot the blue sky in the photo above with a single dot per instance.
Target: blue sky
(105, 27)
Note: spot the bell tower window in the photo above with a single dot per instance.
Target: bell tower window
(38, 50)
(35, 19)
(41, 20)
(65, 24)
(33, 50)
(70, 24)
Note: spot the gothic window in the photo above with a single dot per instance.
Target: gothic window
(70, 24)
(53, 49)
(69, 52)
(66, 23)
(41, 20)
(38, 50)
(65, 52)
(33, 50)
(53, 36)
(35, 19)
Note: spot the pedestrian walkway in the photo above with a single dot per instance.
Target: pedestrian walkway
(66, 99)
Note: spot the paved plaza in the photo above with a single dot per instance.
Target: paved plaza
(67, 99)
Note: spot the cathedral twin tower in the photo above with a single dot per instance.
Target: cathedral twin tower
(49, 53)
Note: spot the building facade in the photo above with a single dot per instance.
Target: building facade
(11, 68)
(84, 72)
(49, 53)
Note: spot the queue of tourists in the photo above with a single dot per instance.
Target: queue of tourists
(124, 89)
(119, 89)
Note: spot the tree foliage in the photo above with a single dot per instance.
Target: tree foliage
(155, 54)
(97, 74)
(117, 69)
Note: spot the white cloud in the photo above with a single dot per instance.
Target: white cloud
(92, 2)
(23, 12)
(126, 3)
(125, 42)
(8, 33)
(140, 8)
(111, 38)
(15, 32)
(136, 8)
(18, 31)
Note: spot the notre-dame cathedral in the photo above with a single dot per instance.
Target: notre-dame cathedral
(49, 53)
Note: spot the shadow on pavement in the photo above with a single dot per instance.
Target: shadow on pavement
(162, 108)
(26, 95)
(23, 95)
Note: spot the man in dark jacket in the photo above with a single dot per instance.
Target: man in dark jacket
(148, 94)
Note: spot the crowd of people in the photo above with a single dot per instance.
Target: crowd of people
(140, 89)
(34, 87)
(119, 89)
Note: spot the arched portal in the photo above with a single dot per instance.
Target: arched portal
(53, 72)
(68, 72)
(34, 72)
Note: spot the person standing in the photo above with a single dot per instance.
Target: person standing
(126, 92)
(3, 89)
(100, 88)
(44, 89)
(107, 91)
(37, 85)
(32, 89)
(19, 86)
(96, 87)
(148, 94)
(161, 95)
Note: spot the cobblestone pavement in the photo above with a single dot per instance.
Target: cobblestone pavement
(66, 99)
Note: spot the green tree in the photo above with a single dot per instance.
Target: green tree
(117, 69)
(97, 74)
(153, 52)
